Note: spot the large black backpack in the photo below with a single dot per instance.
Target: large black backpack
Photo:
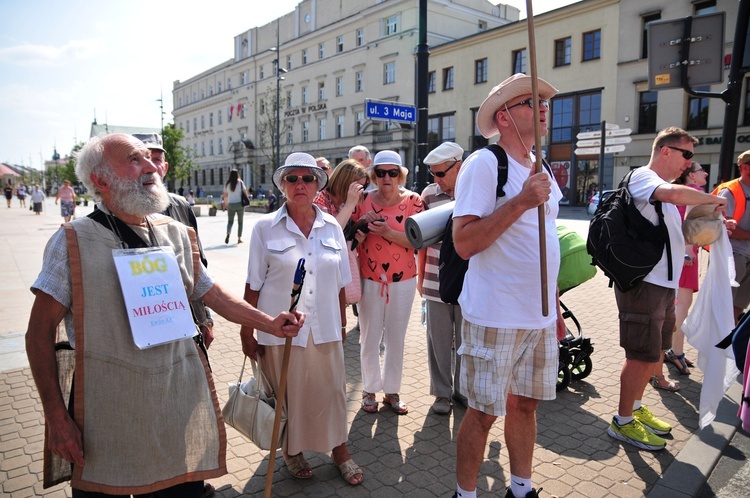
(452, 267)
(624, 244)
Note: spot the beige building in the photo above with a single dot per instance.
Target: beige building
(593, 53)
(336, 55)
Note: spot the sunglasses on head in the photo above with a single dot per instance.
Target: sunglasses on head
(441, 174)
(530, 102)
(687, 154)
(305, 178)
(380, 173)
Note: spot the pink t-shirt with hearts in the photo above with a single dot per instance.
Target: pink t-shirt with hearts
(382, 260)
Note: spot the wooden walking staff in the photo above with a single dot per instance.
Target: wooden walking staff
(538, 154)
(299, 278)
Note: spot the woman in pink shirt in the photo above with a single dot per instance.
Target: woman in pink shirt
(67, 197)
(389, 270)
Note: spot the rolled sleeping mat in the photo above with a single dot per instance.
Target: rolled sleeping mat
(427, 228)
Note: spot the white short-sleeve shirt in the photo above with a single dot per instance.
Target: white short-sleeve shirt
(276, 246)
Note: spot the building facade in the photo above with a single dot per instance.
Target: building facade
(333, 56)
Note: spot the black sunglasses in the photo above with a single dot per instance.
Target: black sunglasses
(441, 174)
(687, 154)
(305, 178)
(530, 103)
(380, 173)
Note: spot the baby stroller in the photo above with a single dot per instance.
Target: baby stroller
(575, 268)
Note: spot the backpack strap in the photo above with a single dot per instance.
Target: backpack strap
(502, 167)
(660, 213)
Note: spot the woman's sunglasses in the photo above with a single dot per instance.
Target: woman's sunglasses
(305, 178)
(380, 173)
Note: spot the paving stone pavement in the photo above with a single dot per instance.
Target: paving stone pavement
(412, 454)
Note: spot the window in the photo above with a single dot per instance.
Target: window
(519, 61)
(211, 119)
(705, 7)
(477, 140)
(431, 82)
(321, 51)
(203, 122)
(448, 78)
(339, 44)
(389, 73)
(210, 90)
(203, 173)
(218, 115)
(203, 94)
(212, 177)
(360, 36)
(339, 126)
(218, 87)
(574, 114)
(290, 136)
(221, 176)
(242, 110)
(339, 86)
(321, 90)
(647, 112)
(697, 118)
(747, 102)
(288, 99)
(221, 146)
(261, 73)
(304, 95)
(562, 52)
(304, 57)
(359, 81)
(480, 71)
(243, 78)
(194, 97)
(195, 124)
(592, 45)
(187, 123)
(359, 120)
(391, 26)
(441, 128)
(482, 26)
(322, 129)
(647, 20)
(262, 107)
(305, 131)
(211, 147)
(229, 83)
(180, 102)
(203, 149)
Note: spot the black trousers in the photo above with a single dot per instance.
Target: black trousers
(184, 490)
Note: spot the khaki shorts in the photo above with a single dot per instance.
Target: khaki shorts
(497, 361)
(647, 321)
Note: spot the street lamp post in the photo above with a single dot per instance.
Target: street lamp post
(279, 71)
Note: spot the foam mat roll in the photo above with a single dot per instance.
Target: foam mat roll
(426, 228)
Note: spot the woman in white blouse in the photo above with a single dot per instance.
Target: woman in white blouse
(316, 386)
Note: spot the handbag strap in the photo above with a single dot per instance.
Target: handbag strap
(256, 369)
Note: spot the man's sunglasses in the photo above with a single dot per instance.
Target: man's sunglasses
(441, 174)
(305, 178)
(380, 173)
(687, 154)
(530, 103)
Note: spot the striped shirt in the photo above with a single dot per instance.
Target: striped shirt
(432, 197)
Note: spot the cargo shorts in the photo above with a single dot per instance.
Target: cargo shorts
(647, 320)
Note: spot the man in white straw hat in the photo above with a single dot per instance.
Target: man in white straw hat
(443, 319)
(509, 348)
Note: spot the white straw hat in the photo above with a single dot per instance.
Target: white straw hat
(297, 160)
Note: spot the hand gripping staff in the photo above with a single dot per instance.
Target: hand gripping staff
(299, 279)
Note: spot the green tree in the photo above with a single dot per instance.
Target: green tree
(178, 157)
(267, 126)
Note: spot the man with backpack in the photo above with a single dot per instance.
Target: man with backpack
(509, 353)
(647, 311)
(443, 319)
(736, 193)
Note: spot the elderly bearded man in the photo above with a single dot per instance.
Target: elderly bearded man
(139, 420)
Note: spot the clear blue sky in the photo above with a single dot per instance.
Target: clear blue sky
(63, 62)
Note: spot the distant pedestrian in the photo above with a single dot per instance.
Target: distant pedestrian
(67, 197)
(8, 193)
(232, 197)
(37, 199)
(191, 198)
(21, 194)
(181, 191)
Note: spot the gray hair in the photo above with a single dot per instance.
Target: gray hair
(357, 148)
(90, 160)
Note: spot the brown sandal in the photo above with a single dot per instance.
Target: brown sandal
(349, 471)
(298, 466)
(671, 386)
(394, 401)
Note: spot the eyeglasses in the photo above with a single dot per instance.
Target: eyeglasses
(686, 154)
(530, 102)
(380, 173)
(305, 178)
(441, 174)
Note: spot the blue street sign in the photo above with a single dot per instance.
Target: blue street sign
(390, 111)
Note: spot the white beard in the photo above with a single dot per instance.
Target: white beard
(131, 197)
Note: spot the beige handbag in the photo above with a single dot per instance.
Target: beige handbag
(251, 411)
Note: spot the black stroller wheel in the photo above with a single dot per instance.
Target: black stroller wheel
(563, 377)
(581, 367)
